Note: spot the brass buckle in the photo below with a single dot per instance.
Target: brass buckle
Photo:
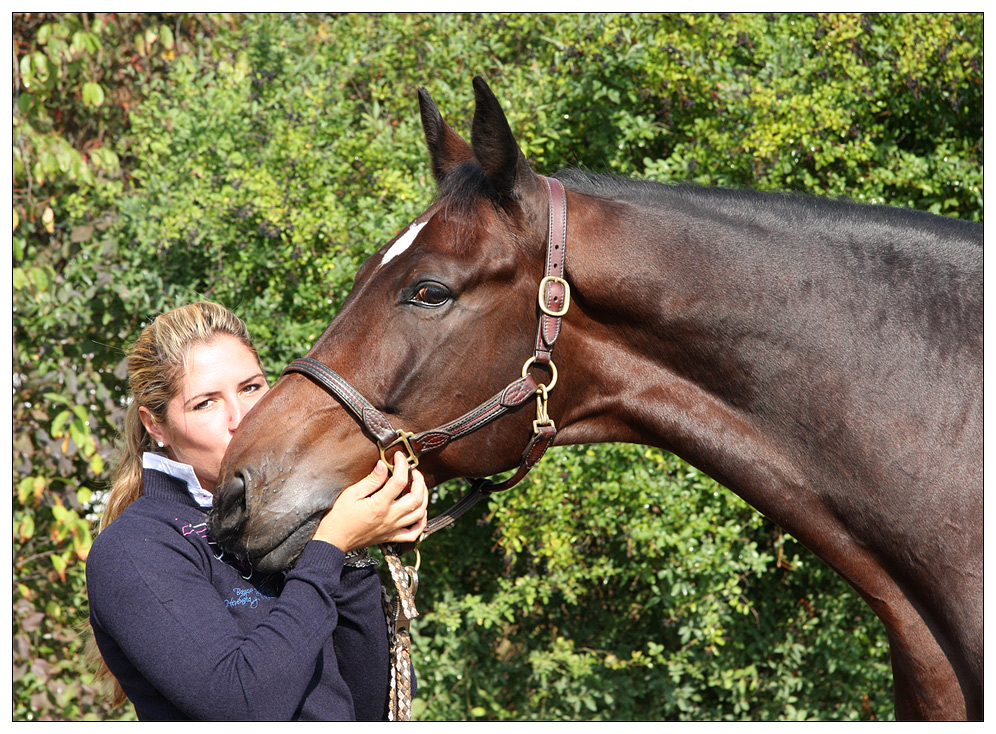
(403, 439)
(542, 301)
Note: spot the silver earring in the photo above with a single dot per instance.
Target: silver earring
(160, 444)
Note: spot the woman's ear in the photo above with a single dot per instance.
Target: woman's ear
(151, 426)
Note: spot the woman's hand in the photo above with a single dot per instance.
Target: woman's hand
(375, 511)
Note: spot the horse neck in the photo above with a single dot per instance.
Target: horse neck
(801, 373)
(674, 296)
(716, 331)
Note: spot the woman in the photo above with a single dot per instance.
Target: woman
(188, 633)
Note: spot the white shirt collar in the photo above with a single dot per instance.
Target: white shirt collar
(180, 471)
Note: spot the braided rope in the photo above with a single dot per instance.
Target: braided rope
(400, 611)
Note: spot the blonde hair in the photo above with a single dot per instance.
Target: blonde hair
(157, 364)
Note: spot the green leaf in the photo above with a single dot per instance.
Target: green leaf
(59, 423)
(93, 94)
(60, 564)
(26, 528)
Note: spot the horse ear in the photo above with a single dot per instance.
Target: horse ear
(496, 150)
(446, 148)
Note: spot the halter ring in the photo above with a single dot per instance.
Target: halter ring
(553, 369)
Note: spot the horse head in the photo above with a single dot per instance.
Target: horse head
(438, 320)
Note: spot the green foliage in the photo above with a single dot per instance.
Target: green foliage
(258, 160)
(76, 78)
(634, 587)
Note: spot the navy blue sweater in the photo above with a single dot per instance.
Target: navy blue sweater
(188, 636)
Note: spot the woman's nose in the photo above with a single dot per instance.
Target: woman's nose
(235, 415)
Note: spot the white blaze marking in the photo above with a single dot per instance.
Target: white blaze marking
(402, 243)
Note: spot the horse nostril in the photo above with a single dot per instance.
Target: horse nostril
(229, 512)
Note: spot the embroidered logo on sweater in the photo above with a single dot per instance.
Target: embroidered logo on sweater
(246, 598)
(200, 529)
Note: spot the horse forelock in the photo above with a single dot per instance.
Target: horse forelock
(465, 189)
(471, 204)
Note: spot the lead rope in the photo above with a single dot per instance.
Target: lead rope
(400, 611)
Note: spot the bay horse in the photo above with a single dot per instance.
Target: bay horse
(821, 359)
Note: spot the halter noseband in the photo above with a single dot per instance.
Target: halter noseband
(554, 300)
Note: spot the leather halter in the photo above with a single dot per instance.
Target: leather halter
(554, 300)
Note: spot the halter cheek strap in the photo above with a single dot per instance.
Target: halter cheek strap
(554, 298)
(554, 292)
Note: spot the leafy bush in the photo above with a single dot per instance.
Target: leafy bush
(76, 78)
(258, 160)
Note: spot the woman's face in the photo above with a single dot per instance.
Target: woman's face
(223, 382)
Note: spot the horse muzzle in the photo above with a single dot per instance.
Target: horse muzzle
(269, 539)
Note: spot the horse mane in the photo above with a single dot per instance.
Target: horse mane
(789, 207)
(465, 190)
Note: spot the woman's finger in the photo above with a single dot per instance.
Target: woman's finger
(412, 506)
(370, 483)
(396, 485)
(411, 533)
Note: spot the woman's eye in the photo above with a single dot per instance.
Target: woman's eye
(431, 294)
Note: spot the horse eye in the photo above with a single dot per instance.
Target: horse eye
(431, 294)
